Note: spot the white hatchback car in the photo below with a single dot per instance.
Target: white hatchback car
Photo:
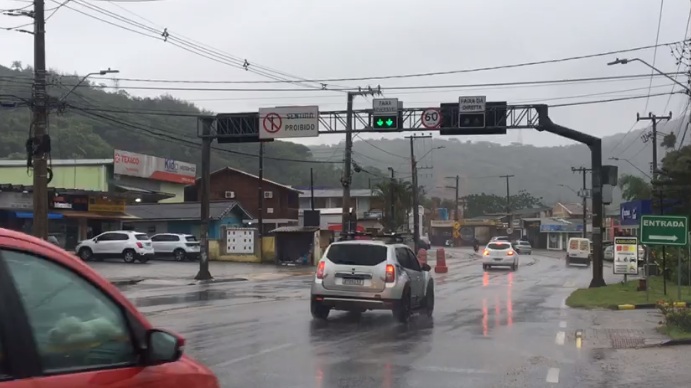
(499, 254)
(129, 245)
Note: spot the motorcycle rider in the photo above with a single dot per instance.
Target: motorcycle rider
(476, 244)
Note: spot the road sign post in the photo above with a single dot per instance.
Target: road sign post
(431, 118)
(385, 113)
(664, 230)
(471, 112)
(287, 122)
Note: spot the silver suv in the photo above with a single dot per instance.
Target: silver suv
(363, 275)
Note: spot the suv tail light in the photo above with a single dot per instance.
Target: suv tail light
(390, 273)
(486, 252)
(510, 253)
(140, 245)
(320, 269)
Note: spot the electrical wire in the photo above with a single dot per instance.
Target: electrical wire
(157, 133)
(391, 88)
(652, 73)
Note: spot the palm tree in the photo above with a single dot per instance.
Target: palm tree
(634, 187)
(403, 201)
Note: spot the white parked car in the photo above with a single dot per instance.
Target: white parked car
(499, 254)
(129, 245)
(179, 246)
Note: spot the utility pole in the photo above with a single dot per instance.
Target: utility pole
(416, 211)
(392, 199)
(205, 186)
(653, 136)
(508, 202)
(40, 141)
(584, 195)
(347, 177)
(311, 188)
(456, 216)
(260, 200)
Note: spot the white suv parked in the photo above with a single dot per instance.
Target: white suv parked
(127, 244)
(180, 246)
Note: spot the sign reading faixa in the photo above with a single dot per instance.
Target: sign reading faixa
(151, 167)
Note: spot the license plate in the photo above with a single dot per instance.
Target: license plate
(353, 282)
(498, 258)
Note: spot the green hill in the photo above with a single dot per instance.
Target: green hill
(96, 122)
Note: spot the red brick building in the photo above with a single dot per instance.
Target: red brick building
(281, 202)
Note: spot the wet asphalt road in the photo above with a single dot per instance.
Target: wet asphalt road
(490, 329)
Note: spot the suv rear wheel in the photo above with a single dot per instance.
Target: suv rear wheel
(318, 310)
(180, 254)
(402, 308)
(129, 255)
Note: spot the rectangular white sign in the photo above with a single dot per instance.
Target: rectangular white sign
(152, 167)
(385, 106)
(625, 256)
(474, 104)
(289, 121)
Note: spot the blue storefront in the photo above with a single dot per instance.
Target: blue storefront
(630, 215)
(559, 231)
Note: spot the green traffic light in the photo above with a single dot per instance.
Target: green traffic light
(380, 122)
(389, 122)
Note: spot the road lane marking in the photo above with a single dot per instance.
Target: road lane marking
(562, 324)
(446, 369)
(552, 376)
(252, 355)
(561, 337)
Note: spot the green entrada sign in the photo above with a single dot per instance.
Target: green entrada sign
(664, 230)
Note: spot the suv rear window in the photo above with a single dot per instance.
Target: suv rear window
(142, 237)
(357, 254)
(499, 246)
(190, 238)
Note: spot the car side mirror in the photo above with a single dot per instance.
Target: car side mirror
(95, 239)
(426, 267)
(162, 347)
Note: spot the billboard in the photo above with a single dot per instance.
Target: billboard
(151, 167)
(630, 212)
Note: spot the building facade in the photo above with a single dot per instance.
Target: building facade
(280, 202)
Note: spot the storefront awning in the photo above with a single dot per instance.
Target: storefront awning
(51, 216)
(154, 195)
(97, 215)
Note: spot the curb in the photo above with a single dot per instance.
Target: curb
(677, 342)
(642, 306)
(126, 282)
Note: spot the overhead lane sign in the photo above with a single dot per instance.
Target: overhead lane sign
(385, 113)
(664, 230)
(471, 111)
(288, 122)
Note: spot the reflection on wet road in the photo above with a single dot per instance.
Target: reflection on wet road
(490, 329)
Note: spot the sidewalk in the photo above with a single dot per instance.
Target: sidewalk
(606, 329)
(170, 273)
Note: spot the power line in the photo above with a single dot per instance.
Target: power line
(391, 88)
(156, 133)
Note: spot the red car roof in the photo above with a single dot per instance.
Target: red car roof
(14, 240)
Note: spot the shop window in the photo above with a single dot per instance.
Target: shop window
(75, 326)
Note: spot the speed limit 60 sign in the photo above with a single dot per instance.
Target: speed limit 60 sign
(431, 118)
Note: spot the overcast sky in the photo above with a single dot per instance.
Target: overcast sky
(318, 39)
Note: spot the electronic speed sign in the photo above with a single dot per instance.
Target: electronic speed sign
(431, 118)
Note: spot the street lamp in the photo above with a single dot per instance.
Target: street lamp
(632, 165)
(101, 72)
(624, 61)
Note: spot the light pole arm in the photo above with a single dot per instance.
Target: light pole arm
(81, 81)
(625, 61)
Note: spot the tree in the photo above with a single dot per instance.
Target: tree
(482, 204)
(675, 181)
(17, 65)
(634, 187)
(403, 201)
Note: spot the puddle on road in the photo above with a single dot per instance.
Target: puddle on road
(204, 295)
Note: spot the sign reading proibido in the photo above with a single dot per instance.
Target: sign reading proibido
(286, 122)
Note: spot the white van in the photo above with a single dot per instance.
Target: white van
(579, 251)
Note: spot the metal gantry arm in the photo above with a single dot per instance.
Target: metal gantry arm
(517, 116)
